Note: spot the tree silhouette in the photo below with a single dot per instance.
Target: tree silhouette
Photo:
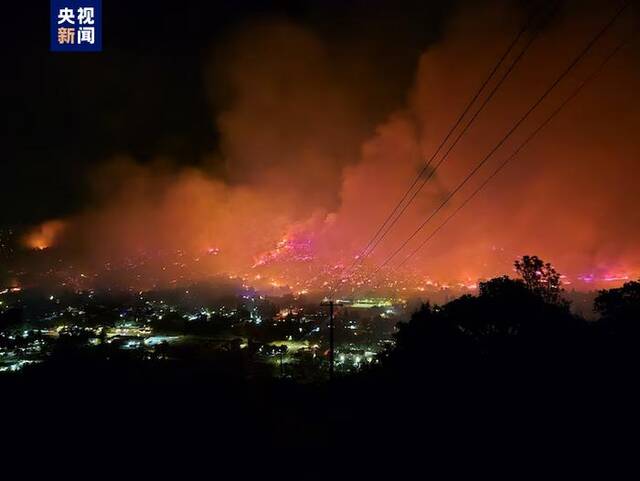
(510, 323)
(619, 308)
(540, 277)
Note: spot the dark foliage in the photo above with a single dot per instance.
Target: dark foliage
(507, 323)
(620, 309)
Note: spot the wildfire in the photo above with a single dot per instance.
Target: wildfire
(44, 236)
(296, 249)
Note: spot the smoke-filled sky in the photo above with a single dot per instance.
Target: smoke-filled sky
(279, 137)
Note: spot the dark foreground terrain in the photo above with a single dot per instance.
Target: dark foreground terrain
(506, 378)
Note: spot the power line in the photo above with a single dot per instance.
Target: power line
(573, 95)
(570, 67)
(461, 133)
(369, 248)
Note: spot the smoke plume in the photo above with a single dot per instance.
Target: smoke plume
(311, 160)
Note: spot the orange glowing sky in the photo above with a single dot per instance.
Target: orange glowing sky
(308, 176)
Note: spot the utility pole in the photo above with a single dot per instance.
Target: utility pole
(331, 340)
(331, 303)
(281, 365)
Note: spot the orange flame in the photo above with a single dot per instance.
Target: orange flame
(44, 235)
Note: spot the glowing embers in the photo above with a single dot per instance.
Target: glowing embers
(288, 249)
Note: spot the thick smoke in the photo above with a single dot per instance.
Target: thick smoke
(310, 168)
